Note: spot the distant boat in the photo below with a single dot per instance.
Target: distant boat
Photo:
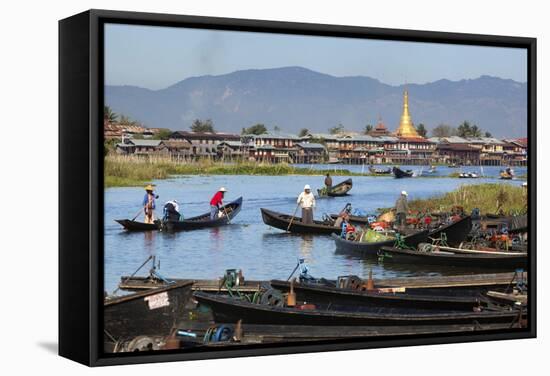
(432, 170)
(468, 175)
(453, 165)
(399, 173)
(380, 171)
(507, 174)
(338, 190)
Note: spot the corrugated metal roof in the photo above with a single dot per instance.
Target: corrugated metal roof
(307, 145)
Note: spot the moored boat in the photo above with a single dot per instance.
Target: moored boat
(338, 190)
(377, 297)
(380, 171)
(450, 257)
(455, 232)
(150, 312)
(399, 173)
(230, 310)
(294, 224)
(372, 249)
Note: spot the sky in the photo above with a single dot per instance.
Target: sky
(156, 57)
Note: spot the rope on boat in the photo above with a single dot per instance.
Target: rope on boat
(134, 273)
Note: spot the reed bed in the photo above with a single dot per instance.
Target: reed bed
(489, 198)
(123, 171)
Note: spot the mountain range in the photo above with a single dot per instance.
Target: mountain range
(294, 97)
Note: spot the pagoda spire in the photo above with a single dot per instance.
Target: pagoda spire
(406, 126)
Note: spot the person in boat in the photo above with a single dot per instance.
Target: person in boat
(172, 211)
(217, 202)
(328, 182)
(401, 209)
(306, 200)
(149, 204)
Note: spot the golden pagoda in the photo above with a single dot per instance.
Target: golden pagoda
(406, 128)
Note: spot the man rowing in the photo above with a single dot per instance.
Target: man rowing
(149, 204)
(306, 200)
(217, 202)
(328, 182)
(172, 211)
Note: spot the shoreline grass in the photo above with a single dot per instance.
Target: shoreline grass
(127, 171)
(489, 198)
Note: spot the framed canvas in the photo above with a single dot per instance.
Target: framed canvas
(234, 187)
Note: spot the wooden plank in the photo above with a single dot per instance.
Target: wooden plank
(493, 279)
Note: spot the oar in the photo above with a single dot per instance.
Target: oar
(138, 213)
(293, 215)
(226, 214)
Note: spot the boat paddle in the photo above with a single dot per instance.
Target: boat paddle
(138, 213)
(226, 214)
(293, 215)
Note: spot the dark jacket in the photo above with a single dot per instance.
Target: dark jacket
(401, 205)
(328, 181)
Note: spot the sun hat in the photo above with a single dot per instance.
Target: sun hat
(149, 187)
(222, 189)
(404, 193)
(307, 187)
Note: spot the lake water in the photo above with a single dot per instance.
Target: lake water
(247, 243)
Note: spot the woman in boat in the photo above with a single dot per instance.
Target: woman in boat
(401, 209)
(217, 202)
(306, 200)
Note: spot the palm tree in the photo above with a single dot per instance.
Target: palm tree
(109, 114)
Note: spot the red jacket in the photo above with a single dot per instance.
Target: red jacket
(217, 199)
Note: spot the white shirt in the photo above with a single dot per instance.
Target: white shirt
(306, 200)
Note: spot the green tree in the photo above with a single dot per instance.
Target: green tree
(164, 134)
(488, 134)
(276, 129)
(336, 130)
(443, 130)
(303, 132)
(421, 130)
(256, 129)
(109, 114)
(464, 129)
(368, 129)
(202, 126)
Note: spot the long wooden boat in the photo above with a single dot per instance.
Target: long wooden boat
(131, 225)
(372, 249)
(203, 221)
(456, 232)
(478, 260)
(230, 310)
(399, 173)
(345, 296)
(149, 312)
(338, 190)
(283, 221)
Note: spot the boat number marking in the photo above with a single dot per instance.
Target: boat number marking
(157, 301)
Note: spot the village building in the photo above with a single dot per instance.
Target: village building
(380, 130)
(236, 150)
(310, 153)
(275, 147)
(141, 147)
(515, 152)
(204, 144)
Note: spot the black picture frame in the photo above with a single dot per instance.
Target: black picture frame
(81, 182)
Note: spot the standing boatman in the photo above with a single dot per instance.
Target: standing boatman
(328, 181)
(401, 209)
(149, 204)
(217, 202)
(306, 200)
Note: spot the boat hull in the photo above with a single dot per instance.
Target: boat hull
(477, 261)
(456, 232)
(371, 249)
(204, 221)
(343, 296)
(399, 173)
(150, 312)
(338, 190)
(283, 221)
(230, 310)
